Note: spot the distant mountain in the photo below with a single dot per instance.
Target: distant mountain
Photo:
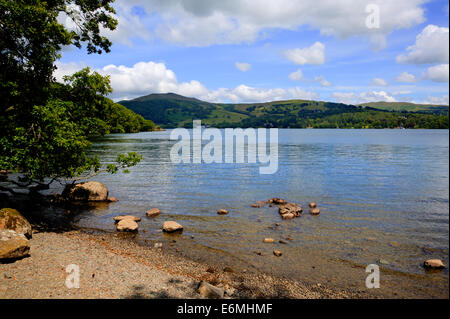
(408, 107)
(172, 110)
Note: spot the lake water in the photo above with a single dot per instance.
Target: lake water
(383, 195)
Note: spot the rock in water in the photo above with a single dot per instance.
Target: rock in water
(11, 219)
(153, 212)
(123, 217)
(112, 199)
(290, 208)
(312, 205)
(269, 240)
(127, 224)
(277, 201)
(277, 253)
(314, 211)
(434, 264)
(222, 212)
(171, 226)
(209, 291)
(86, 192)
(13, 245)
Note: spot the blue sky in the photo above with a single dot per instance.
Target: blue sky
(262, 50)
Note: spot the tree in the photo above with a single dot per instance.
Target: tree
(46, 126)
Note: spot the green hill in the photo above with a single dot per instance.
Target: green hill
(408, 107)
(172, 110)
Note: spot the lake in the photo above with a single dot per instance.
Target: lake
(383, 195)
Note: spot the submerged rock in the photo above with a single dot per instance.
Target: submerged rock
(277, 201)
(153, 212)
(290, 208)
(123, 217)
(171, 226)
(11, 219)
(277, 253)
(434, 264)
(86, 192)
(314, 211)
(222, 212)
(127, 225)
(13, 245)
(312, 205)
(112, 199)
(209, 291)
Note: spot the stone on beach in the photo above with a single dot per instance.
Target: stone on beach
(11, 219)
(86, 192)
(171, 226)
(314, 211)
(288, 216)
(222, 212)
(209, 291)
(434, 264)
(13, 245)
(269, 240)
(153, 212)
(127, 225)
(123, 217)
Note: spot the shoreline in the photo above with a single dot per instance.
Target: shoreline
(115, 267)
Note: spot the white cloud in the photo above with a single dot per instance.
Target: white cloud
(63, 69)
(406, 77)
(437, 100)
(323, 82)
(203, 22)
(378, 82)
(149, 77)
(314, 54)
(438, 73)
(432, 46)
(296, 75)
(364, 97)
(242, 66)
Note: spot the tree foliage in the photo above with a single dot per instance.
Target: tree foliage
(46, 126)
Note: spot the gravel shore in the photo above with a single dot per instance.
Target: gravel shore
(114, 267)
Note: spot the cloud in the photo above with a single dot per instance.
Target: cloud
(406, 77)
(323, 82)
(296, 75)
(149, 77)
(242, 66)
(378, 82)
(438, 73)
(432, 46)
(364, 97)
(314, 54)
(204, 22)
(437, 100)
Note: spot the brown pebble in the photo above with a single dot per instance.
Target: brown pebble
(211, 270)
(222, 212)
(259, 253)
(277, 253)
(312, 205)
(277, 224)
(289, 238)
(314, 211)
(228, 269)
(269, 240)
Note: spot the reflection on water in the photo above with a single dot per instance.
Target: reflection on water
(383, 194)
